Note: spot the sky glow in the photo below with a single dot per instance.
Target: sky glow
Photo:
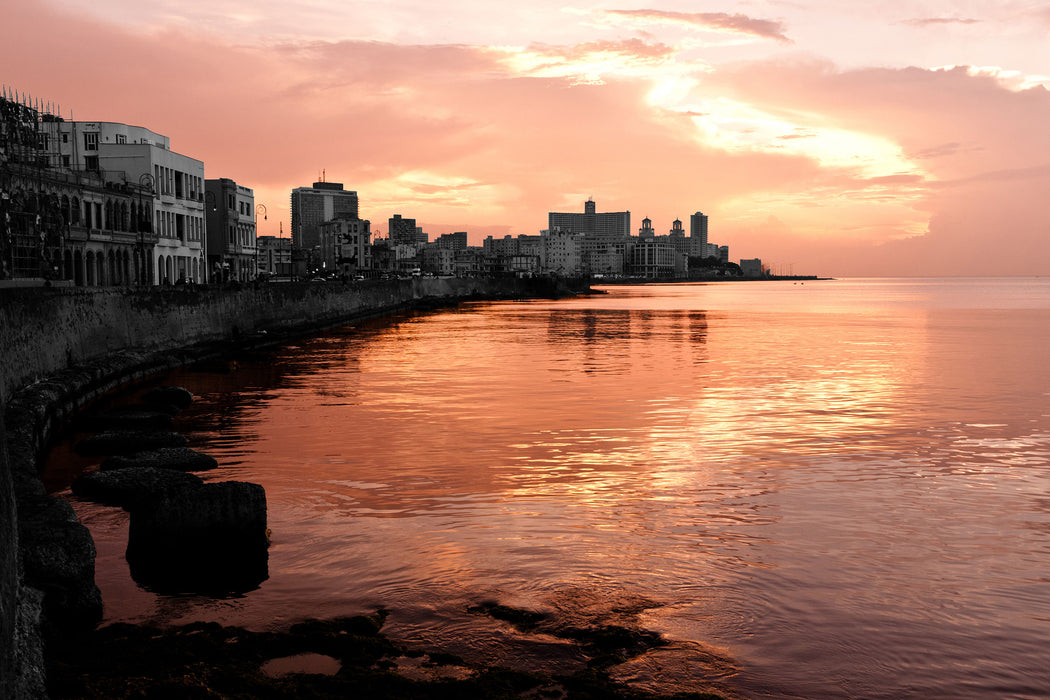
(903, 138)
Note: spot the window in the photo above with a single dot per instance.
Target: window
(91, 141)
(91, 162)
(65, 161)
(121, 138)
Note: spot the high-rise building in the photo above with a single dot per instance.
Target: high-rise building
(312, 206)
(403, 231)
(698, 233)
(456, 240)
(613, 225)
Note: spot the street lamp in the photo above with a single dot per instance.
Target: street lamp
(145, 181)
(255, 233)
(209, 199)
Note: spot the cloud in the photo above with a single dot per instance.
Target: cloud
(936, 21)
(981, 156)
(711, 21)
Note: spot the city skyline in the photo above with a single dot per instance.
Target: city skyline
(837, 140)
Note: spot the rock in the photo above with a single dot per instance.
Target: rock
(180, 458)
(156, 406)
(58, 558)
(212, 540)
(174, 395)
(113, 442)
(128, 420)
(133, 487)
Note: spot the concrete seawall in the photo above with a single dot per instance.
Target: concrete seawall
(61, 348)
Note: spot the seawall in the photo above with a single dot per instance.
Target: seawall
(61, 348)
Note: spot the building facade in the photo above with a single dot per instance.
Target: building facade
(230, 226)
(274, 256)
(403, 231)
(698, 234)
(133, 158)
(604, 225)
(312, 206)
(62, 224)
(346, 245)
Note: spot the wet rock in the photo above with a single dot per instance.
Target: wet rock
(212, 540)
(174, 395)
(113, 442)
(179, 458)
(58, 558)
(133, 487)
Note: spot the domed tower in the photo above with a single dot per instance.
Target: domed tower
(646, 231)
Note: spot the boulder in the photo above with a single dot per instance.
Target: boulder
(180, 458)
(211, 540)
(174, 395)
(133, 487)
(58, 558)
(112, 442)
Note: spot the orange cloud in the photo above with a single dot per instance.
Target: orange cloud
(712, 21)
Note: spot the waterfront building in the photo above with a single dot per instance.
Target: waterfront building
(346, 245)
(655, 258)
(563, 251)
(312, 206)
(495, 247)
(59, 224)
(440, 260)
(752, 268)
(139, 162)
(275, 255)
(230, 227)
(469, 262)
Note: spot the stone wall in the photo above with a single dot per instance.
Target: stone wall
(62, 347)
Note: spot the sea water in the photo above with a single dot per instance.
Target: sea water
(835, 488)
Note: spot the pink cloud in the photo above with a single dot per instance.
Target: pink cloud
(714, 21)
(984, 146)
(933, 21)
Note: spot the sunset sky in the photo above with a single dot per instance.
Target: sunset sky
(838, 138)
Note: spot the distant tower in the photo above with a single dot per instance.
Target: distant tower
(312, 206)
(676, 229)
(589, 207)
(646, 231)
(698, 234)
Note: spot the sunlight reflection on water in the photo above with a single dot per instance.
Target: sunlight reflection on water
(842, 485)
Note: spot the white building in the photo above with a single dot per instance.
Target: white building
(564, 251)
(132, 156)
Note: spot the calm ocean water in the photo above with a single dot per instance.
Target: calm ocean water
(820, 490)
